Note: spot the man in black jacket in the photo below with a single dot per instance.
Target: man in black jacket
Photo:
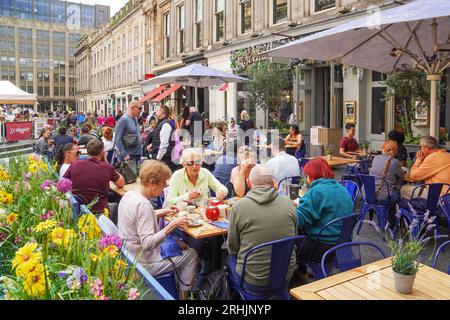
(162, 142)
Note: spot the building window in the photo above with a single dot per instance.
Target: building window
(220, 19)
(280, 11)
(181, 28)
(320, 5)
(378, 110)
(246, 16)
(101, 16)
(87, 16)
(198, 23)
(166, 20)
(129, 72)
(124, 44)
(130, 40)
(136, 68)
(42, 10)
(136, 36)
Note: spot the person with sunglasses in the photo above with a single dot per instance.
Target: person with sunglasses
(68, 154)
(192, 183)
(127, 137)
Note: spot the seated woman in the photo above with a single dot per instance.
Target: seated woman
(108, 142)
(68, 154)
(324, 201)
(217, 144)
(294, 141)
(192, 183)
(239, 175)
(402, 154)
(388, 166)
(138, 226)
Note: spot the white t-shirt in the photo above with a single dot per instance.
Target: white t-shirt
(63, 169)
(109, 145)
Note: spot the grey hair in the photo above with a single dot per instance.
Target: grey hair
(261, 175)
(187, 155)
(430, 142)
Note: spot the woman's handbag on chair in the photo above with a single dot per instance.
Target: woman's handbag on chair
(128, 169)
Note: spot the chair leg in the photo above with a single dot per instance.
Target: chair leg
(363, 213)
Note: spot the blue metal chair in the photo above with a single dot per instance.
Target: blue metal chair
(431, 204)
(302, 163)
(280, 258)
(230, 188)
(352, 188)
(445, 205)
(348, 256)
(299, 154)
(381, 207)
(438, 253)
(346, 225)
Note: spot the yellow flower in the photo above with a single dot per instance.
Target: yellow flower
(119, 267)
(61, 236)
(11, 218)
(35, 281)
(25, 259)
(45, 225)
(94, 257)
(32, 167)
(88, 225)
(106, 212)
(111, 251)
(3, 174)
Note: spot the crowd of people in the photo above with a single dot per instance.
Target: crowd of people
(262, 214)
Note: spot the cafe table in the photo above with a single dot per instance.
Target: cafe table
(337, 161)
(375, 282)
(126, 188)
(204, 232)
(360, 153)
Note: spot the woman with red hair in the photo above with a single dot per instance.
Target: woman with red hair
(324, 201)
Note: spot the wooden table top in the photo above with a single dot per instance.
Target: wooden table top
(360, 153)
(204, 231)
(127, 187)
(337, 161)
(375, 282)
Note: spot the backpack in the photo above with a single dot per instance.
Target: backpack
(215, 286)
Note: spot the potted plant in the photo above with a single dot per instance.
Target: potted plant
(329, 151)
(406, 249)
(446, 138)
(365, 146)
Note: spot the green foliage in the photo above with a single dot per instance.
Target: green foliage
(267, 82)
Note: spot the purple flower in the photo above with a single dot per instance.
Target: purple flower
(2, 236)
(413, 224)
(109, 240)
(18, 239)
(46, 184)
(44, 216)
(50, 213)
(64, 185)
(77, 279)
(430, 227)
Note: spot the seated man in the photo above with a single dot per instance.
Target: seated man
(62, 139)
(86, 136)
(348, 143)
(90, 178)
(432, 166)
(283, 165)
(193, 183)
(261, 216)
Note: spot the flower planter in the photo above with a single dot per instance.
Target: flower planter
(330, 157)
(403, 283)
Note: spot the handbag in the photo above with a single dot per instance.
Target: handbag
(128, 169)
(130, 140)
(170, 248)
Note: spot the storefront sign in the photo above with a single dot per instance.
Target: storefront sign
(241, 59)
(16, 131)
(314, 134)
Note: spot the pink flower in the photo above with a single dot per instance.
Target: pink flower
(44, 216)
(50, 214)
(46, 185)
(18, 239)
(103, 297)
(61, 224)
(109, 240)
(133, 294)
(64, 185)
(97, 287)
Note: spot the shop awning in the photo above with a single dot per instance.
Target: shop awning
(153, 93)
(167, 93)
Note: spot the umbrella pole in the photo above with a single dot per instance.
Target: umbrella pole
(434, 112)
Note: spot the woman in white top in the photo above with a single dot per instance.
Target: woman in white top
(138, 227)
(108, 142)
(69, 153)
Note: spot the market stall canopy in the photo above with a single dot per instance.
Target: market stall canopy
(411, 36)
(195, 75)
(10, 94)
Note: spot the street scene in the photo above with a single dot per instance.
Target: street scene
(225, 150)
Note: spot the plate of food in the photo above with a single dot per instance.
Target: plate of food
(195, 220)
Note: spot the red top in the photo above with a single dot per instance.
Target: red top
(110, 121)
(90, 179)
(349, 144)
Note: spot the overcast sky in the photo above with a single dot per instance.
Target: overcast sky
(114, 4)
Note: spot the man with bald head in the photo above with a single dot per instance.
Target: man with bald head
(261, 216)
